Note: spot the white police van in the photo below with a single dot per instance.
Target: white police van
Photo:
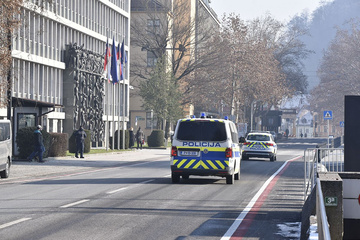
(5, 148)
(205, 147)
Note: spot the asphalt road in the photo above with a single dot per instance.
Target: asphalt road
(130, 196)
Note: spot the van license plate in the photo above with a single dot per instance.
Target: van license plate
(188, 153)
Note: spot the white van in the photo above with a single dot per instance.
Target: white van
(205, 147)
(5, 148)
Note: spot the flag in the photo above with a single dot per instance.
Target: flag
(114, 66)
(123, 60)
(119, 60)
(107, 62)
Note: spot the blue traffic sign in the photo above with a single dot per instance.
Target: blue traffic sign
(328, 115)
(342, 124)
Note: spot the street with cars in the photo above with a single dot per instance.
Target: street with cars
(130, 195)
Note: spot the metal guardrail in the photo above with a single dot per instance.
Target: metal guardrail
(321, 160)
(323, 224)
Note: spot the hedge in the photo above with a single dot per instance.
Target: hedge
(25, 141)
(156, 138)
(58, 144)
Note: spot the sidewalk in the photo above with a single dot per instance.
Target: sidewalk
(55, 166)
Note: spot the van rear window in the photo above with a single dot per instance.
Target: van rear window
(4, 131)
(201, 131)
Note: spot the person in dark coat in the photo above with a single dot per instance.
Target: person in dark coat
(39, 148)
(139, 138)
(80, 138)
(132, 138)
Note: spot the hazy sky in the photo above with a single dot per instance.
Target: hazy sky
(282, 10)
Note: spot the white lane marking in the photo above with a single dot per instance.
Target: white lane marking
(117, 190)
(14, 222)
(75, 203)
(252, 202)
(151, 180)
(124, 188)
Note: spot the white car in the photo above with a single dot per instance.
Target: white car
(259, 145)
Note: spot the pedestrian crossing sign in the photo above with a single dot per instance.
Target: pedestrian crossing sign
(328, 115)
(342, 124)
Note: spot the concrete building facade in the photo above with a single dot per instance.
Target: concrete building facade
(58, 59)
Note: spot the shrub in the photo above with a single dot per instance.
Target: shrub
(72, 142)
(58, 144)
(25, 141)
(156, 138)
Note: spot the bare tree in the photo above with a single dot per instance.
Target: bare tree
(167, 29)
(339, 72)
(9, 10)
(246, 70)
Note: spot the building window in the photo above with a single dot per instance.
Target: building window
(26, 120)
(153, 26)
(151, 59)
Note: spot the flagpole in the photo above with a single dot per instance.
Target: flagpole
(125, 77)
(119, 114)
(107, 116)
(107, 103)
(124, 85)
(113, 118)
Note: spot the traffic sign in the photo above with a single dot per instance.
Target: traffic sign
(328, 115)
(342, 124)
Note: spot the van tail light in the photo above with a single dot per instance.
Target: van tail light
(174, 151)
(269, 144)
(228, 153)
(246, 143)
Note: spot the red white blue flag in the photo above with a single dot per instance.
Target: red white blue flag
(107, 62)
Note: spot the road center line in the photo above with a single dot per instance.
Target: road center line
(234, 227)
(75, 203)
(117, 190)
(14, 222)
(124, 188)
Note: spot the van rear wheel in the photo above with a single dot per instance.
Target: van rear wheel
(175, 178)
(230, 179)
(185, 176)
(6, 172)
(237, 176)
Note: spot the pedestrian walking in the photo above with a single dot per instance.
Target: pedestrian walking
(39, 148)
(132, 138)
(139, 138)
(80, 138)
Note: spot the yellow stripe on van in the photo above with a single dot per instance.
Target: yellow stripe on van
(220, 164)
(189, 164)
(212, 164)
(181, 162)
